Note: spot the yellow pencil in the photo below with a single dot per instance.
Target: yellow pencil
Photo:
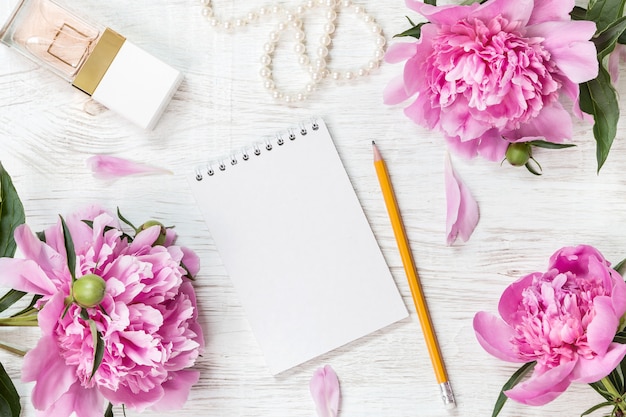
(413, 278)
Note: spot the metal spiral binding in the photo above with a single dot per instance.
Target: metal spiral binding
(265, 145)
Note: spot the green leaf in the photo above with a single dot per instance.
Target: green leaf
(431, 2)
(69, 249)
(578, 13)
(620, 267)
(30, 307)
(605, 41)
(599, 99)
(513, 381)
(122, 218)
(98, 347)
(11, 214)
(549, 145)
(109, 411)
(10, 298)
(620, 337)
(8, 396)
(531, 166)
(604, 12)
(415, 31)
(597, 407)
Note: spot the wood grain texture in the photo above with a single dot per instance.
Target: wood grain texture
(48, 130)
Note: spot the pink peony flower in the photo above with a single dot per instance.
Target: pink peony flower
(489, 74)
(565, 319)
(147, 318)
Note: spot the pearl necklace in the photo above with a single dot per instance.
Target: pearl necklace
(292, 21)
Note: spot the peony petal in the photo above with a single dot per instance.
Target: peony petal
(461, 207)
(553, 123)
(571, 50)
(45, 365)
(109, 167)
(49, 260)
(134, 400)
(492, 145)
(592, 370)
(400, 51)
(512, 298)
(395, 92)
(603, 326)
(541, 388)
(84, 402)
(324, 387)
(551, 10)
(25, 275)
(177, 390)
(494, 335)
(191, 261)
(441, 15)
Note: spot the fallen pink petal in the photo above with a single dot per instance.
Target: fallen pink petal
(111, 167)
(461, 208)
(324, 386)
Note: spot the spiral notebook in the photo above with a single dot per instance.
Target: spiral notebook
(297, 246)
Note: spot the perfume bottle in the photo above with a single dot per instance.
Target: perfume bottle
(93, 58)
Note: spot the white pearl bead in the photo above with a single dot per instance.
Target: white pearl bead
(252, 16)
(263, 11)
(310, 87)
(287, 98)
(265, 72)
(331, 3)
(266, 60)
(316, 76)
(379, 54)
(358, 9)
(329, 28)
(300, 9)
(310, 4)
(319, 64)
(299, 36)
(213, 22)
(207, 12)
(372, 65)
(282, 26)
(227, 25)
(349, 75)
(325, 40)
(381, 41)
(331, 15)
(301, 97)
(274, 36)
(277, 94)
(346, 3)
(376, 28)
(322, 51)
(275, 9)
(299, 48)
(240, 23)
(303, 60)
(205, 2)
(363, 72)
(335, 75)
(268, 48)
(269, 84)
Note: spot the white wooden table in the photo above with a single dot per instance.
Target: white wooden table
(48, 130)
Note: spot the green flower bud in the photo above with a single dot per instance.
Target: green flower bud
(518, 153)
(161, 239)
(88, 290)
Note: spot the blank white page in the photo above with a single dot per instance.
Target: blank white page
(297, 246)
